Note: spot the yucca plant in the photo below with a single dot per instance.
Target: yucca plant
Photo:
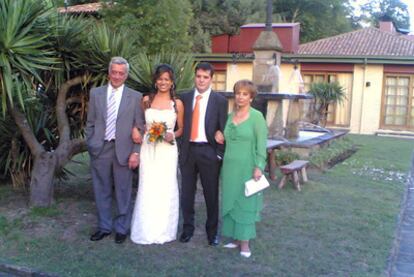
(324, 94)
(24, 47)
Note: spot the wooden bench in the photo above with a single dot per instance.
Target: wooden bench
(294, 170)
(271, 147)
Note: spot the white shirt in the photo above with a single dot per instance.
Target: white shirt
(118, 95)
(203, 107)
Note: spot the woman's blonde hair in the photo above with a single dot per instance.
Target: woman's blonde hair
(246, 84)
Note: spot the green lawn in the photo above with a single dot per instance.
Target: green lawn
(341, 224)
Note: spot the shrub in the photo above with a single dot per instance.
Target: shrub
(324, 94)
(286, 156)
(336, 151)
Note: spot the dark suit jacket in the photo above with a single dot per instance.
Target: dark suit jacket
(216, 116)
(129, 115)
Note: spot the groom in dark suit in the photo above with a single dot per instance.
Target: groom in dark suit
(205, 112)
(113, 111)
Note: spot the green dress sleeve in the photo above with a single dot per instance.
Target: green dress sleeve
(260, 131)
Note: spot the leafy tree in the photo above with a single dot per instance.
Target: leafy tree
(219, 17)
(318, 18)
(394, 10)
(156, 24)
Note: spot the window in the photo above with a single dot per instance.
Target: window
(219, 80)
(398, 102)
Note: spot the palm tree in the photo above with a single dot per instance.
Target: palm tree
(324, 94)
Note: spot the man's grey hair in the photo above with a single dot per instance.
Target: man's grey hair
(118, 60)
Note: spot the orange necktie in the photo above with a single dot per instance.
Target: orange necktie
(196, 117)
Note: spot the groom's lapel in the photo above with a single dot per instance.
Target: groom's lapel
(189, 106)
(209, 109)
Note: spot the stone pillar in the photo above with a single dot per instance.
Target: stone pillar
(292, 122)
(266, 55)
(264, 70)
(274, 119)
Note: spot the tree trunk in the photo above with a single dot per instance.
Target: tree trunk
(324, 118)
(46, 163)
(41, 183)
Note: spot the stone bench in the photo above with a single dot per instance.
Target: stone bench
(294, 170)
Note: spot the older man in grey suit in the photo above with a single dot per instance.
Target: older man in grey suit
(114, 110)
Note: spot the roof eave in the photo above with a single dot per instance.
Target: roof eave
(348, 59)
(223, 57)
(292, 58)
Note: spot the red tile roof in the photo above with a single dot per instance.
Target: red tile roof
(365, 42)
(410, 37)
(262, 25)
(84, 8)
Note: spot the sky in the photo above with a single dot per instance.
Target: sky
(409, 3)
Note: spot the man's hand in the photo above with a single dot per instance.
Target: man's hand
(136, 136)
(133, 161)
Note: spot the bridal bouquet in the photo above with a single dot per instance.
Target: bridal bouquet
(157, 131)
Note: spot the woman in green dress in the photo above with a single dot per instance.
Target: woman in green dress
(245, 135)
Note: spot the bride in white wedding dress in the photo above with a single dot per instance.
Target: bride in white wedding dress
(156, 211)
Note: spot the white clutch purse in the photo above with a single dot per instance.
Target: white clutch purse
(252, 186)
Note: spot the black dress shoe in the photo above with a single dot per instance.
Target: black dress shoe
(213, 241)
(120, 238)
(99, 235)
(185, 237)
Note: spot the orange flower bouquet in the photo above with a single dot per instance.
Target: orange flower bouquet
(156, 132)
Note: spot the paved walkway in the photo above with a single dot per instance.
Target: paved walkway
(402, 258)
(7, 270)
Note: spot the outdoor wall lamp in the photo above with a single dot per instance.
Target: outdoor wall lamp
(295, 64)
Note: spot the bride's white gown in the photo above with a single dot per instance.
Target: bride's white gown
(156, 211)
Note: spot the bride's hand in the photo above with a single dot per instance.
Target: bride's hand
(169, 137)
(136, 136)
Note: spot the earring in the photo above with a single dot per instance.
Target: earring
(173, 86)
(155, 86)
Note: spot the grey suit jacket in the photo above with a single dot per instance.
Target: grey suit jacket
(130, 114)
